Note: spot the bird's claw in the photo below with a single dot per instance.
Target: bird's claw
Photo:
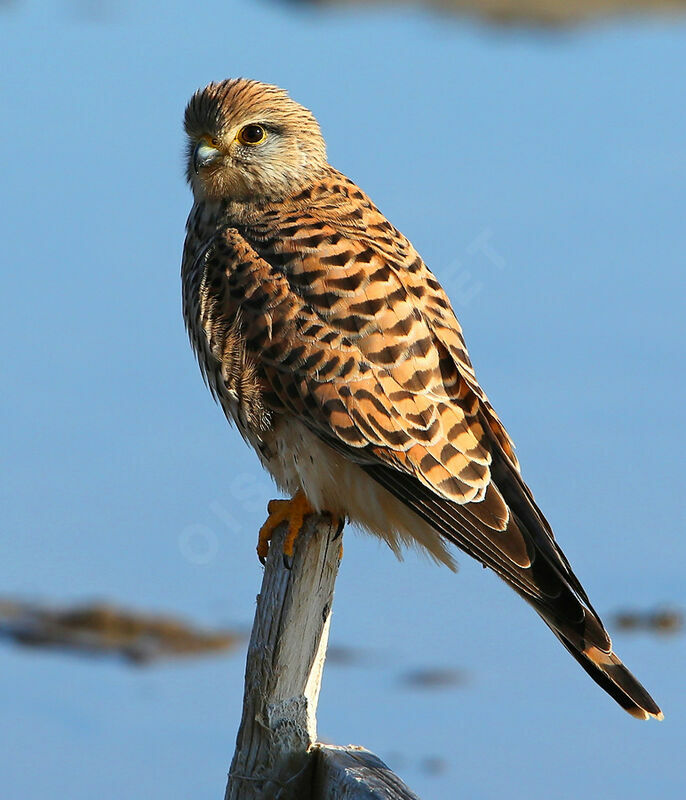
(292, 511)
(340, 524)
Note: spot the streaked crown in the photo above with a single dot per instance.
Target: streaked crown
(249, 141)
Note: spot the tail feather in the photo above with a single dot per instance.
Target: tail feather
(609, 672)
(565, 606)
(522, 550)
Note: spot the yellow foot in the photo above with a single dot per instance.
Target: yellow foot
(294, 512)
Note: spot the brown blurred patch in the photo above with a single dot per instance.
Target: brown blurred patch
(665, 621)
(524, 12)
(345, 656)
(433, 765)
(103, 629)
(434, 678)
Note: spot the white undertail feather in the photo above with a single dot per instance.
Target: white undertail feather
(335, 484)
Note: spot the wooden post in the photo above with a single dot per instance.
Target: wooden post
(277, 757)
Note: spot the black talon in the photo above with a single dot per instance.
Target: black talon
(288, 561)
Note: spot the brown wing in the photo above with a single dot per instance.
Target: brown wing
(373, 363)
(353, 335)
(343, 344)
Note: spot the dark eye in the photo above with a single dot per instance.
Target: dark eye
(252, 134)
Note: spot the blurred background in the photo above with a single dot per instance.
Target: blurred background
(535, 156)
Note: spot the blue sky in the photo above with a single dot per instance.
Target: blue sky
(565, 153)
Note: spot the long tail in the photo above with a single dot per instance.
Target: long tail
(609, 672)
(565, 607)
(527, 557)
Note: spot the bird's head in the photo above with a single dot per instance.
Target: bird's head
(250, 141)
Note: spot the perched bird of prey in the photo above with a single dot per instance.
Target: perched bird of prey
(336, 352)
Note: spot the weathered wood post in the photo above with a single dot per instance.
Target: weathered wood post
(277, 755)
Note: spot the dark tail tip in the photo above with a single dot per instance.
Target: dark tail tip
(610, 673)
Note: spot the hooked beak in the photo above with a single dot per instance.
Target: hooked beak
(203, 154)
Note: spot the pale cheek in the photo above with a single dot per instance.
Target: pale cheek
(249, 179)
(219, 184)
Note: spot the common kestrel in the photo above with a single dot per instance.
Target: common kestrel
(334, 349)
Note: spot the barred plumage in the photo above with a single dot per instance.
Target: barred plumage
(335, 350)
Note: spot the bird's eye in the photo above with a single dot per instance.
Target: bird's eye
(252, 134)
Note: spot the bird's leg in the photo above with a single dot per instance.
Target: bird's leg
(294, 512)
